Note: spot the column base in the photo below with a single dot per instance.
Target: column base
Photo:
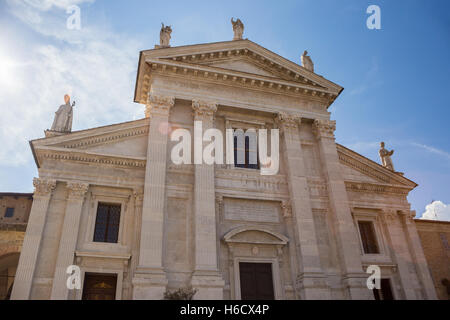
(149, 284)
(209, 285)
(313, 287)
(356, 285)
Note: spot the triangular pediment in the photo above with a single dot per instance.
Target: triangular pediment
(359, 170)
(118, 144)
(241, 62)
(242, 65)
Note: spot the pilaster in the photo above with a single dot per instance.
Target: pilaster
(69, 236)
(347, 238)
(311, 280)
(206, 277)
(415, 247)
(150, 280)
(28, 258)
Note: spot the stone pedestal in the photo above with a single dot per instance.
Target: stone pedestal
(69, 236)
(206, 277)
(32, 241)
(311, 281)
(150, 281)
(346, 234)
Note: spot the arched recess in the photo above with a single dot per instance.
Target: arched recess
(253, 244)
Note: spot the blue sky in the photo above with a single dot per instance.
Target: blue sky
(396, 79)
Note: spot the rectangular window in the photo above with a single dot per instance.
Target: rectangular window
(246, 157)
(9, 213)
(368, 237)
(385, 293)
(107, 223)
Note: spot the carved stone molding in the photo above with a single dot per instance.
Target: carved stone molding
(77, 190)
(43, 187)
(324, 128)
(286, 209)
(288, 122)
(158, 105)
(81, 156)
(138, 195)
(389, 214)
(203, 109)
(375, 188)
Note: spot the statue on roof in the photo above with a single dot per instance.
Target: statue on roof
(385, 156)
(164, 36)
(238, 28)
(307, 62)
(63, 117)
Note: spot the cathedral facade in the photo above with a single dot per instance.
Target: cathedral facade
(112, 202)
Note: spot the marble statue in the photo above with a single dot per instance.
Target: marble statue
(307, 62)
(64, 116)
(164, 35)
(238, 28)
(385, 156)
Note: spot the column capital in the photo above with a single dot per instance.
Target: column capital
(158, 104)
(389, 214)
(43, 187)
(203, 109)
(324, 128)
(77, 190)
(288, 120)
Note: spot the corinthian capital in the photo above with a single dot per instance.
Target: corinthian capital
(77, 190)
(324, 128)
(288, 120)
(43, 187)
(157, 104)
(203, 109)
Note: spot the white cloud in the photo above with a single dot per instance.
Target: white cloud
(437, 210)
(97, 67)
(433, 150)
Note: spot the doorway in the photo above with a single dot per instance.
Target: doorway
(99, 286)
(256, 281)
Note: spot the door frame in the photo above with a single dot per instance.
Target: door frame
(277, 290)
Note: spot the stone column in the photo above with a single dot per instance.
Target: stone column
(206, 277)
(415, 247)
(150, 279)
(311, 280)
(32, 241)
(348, 245)
(69, 237)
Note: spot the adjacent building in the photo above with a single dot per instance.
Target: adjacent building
(14, 212)
(435, 238)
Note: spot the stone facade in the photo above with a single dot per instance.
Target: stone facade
(196, 225)
(435, 238)
(14, 212)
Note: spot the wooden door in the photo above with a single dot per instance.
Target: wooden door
(256, 281)
(99, 286)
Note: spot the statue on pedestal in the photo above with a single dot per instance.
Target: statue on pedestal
(63, 117)
(385, 156)
(307, 62)
(238, 28)
(164, 36)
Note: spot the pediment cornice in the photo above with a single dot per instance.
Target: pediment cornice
(73, 146)
(387, 178)
(62, 154)
(288, 77)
